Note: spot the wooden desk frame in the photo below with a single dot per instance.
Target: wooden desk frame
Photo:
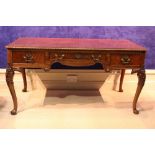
(21, 58)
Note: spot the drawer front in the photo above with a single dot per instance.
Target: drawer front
(28, 57)
(127, 60)
(77, 58)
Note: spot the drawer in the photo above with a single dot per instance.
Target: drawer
(28, 57)
(77, 58)
(127, 59)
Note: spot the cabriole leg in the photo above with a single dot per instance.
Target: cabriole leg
(141, 81)
(10, 83)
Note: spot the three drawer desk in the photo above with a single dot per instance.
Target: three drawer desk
(41, 53)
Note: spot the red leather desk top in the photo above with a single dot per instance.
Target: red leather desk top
(70, 43)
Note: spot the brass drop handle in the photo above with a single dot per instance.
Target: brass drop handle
(96, 58)
(59, 57)
(125, 60)
(28, 58)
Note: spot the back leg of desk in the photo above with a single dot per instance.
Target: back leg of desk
(121, 80)
(24, 79)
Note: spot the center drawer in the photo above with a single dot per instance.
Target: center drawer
(77, 58)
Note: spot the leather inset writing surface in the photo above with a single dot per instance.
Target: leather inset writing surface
(74, 43)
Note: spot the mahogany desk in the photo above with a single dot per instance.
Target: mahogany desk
(43, 52)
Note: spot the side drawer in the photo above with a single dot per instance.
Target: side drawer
(127, 60)
(29, 57)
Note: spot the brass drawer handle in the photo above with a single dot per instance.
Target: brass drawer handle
(59, 57)
(125, 60)
(96, 58)
(28, 58)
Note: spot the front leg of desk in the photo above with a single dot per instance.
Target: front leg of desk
(141, 81)
(10, 83)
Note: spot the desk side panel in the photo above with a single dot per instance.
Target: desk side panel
(9, 57)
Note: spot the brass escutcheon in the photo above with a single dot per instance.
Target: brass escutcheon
(77, 55)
